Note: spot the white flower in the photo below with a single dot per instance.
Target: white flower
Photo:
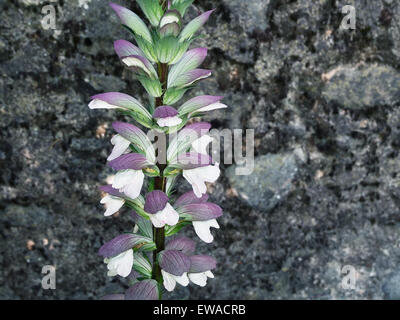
(121, 146)
(170, 280)
(129, 182)
(199, 176)
(112, 203)
(169, 121)
(200, 278)
(120, 264)
(166, 216)
(202, 229)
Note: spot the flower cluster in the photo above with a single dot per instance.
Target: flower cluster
(152, 256)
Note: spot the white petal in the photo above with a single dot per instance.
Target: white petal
(202, 229)
(209, 274)
(169, 121)
(168, 19)
(129, 182)
(198, 176)
(166, 216)
(113, 204)
(183, 280)
(157, 220)
(169, 281)
(123, 178)
(213, 106)
(200, 145)
(198, 278)
(126, 264)
(101, 104)
(121, 264)
(132, 190)
(198, 185)
(170, 215)
(209, 173)
(120, 147)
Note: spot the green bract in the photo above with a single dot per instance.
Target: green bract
(166, 49)
(152, 9)
(152, 86)
(132, 21)
(173, 95)
(194, 26)
(181, 5)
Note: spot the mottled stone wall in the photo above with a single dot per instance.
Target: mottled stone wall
(324, 104)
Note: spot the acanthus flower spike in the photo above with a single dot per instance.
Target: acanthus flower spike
(166, 69)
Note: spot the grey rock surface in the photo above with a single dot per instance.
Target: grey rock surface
(268, 184)
(391, 287)
(363, 87)
(249, 15)
(273, 62)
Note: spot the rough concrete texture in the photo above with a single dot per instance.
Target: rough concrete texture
(322, 100)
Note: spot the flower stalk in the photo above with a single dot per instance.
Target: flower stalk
(153, 257)
(159, 183)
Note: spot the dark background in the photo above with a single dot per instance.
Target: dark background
(324, 104)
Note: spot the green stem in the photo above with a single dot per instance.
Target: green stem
(159, 182)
